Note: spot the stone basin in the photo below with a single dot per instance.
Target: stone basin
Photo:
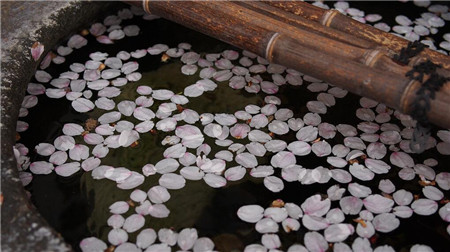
(22, 24)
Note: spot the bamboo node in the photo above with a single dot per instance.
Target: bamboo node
(372, 57)
(328, 17)
(270, 44)
(145, 6)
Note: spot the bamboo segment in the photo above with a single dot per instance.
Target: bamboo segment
(298, 21)
(338, 21)
(365, 71)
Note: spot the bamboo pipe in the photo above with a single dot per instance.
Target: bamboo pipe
(298, 21)
(228, 25)
(338, 21)
(374, 56)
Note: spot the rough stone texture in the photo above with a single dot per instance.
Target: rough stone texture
(23, 23)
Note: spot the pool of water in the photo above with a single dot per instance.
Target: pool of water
(77, 206)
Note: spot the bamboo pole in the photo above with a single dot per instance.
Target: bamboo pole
(284, 44)
(300, 22)
(338, 21)
(374, 55)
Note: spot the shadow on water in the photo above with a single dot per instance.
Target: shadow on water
(78, 206)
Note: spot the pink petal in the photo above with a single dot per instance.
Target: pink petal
(172, 181)
(133, 181)
(36, 50)
(321, 149)
(358, 190)
(92, 244)
(119, 207)
(443, 180)
(148, 170)
(159, 211)
(351, 205)
(167, 124)
(157, 49)
(401, 159)
(403, 197)
(235, 173)
(307, 134)
(315, 206)
(360, 244)
(79, 152)
(145, 238)
(115, 221)
(187, 238)
(271, 241)
(160, 247)
(315, 242)
(214, 181)
(225, 119)
(256, 149)
(338, 232)
(117, 236)
(133, 223)
(64, 143)
(138, 196)
(377, 166)
(273, 183)
(262, 171)
(361, 172)
(424, 206)
(45, 149)
(167, 165)
(385, 222)
(378, 204)
(341, 176)
(266, 225)
(283, 159)
(337, 162)
(203, 244)
(158, 194)
(168, 236)
(100, 151)
(222, 75)
(386, 186)
(250, 213)
(247, 160)
(67, 169)
(276, 213)
(109, 92)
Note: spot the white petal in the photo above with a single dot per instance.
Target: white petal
(159, 211)
(378, 204)
(315, 242)
(132, 181)
(187, 238)
(117, 236)
(146, 238)
(92, 244)
(250, 213)
(133, 223)
(273, 183)
(338, 232)
(172, 181)
(214, 180)
(167, 236)
(351, 205)
(271, 241)
(266, 225)
(385, 222)
(424, 206)
(41, 167)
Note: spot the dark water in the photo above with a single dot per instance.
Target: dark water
(77, 206)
